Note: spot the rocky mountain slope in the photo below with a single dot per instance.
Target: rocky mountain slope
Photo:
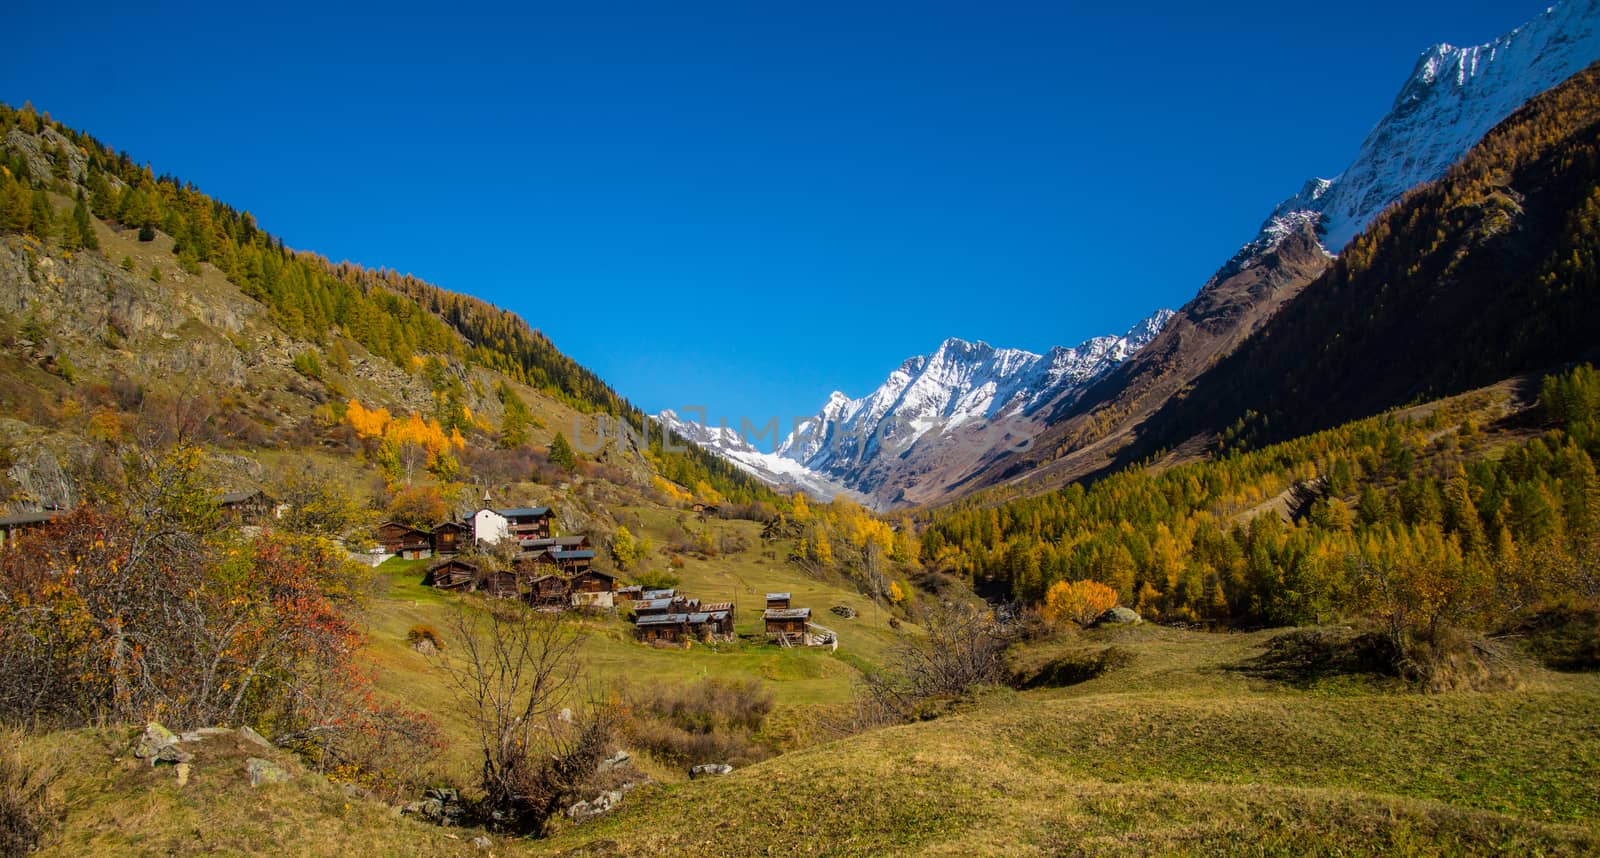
(1452, 98)
(1486, 273)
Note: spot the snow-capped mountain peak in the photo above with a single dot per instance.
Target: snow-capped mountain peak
(1452, 98)
(961, 383)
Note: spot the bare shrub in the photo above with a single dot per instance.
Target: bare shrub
(963, 650)
(514, 671)
(711, 721)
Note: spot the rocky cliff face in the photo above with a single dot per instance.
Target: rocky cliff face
(1452, 98)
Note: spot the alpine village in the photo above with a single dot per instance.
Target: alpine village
(311, 557)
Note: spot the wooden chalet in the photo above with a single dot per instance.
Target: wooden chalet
(705, 510)
(787, 625)
(447, 538)
(11, 525)
(662, 628)
(249, 507)
(652, 607)
(777, 601)
(535, 563)
(549, 591)
(592, 588)
(710, 625)
(572, 562)
(452, 574)
(629, 593)
(409, 542)
(501, 585)
(577, 542)
(532, 522)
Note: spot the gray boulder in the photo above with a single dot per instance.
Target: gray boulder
(254, 738)
(620, 759)
(602, 803)
(160, 745)
(710, 770)
(1119, 616)
(261, 771)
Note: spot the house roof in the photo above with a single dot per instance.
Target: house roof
(717, 606)
(631, 588)
(556, 541)
(28, 518)
(659, 594)
(572, 555)
(664, 620)
(454, 561)
(404, 525)
(452, 525)
(589, 573)
(787, 614)
(771, 596)
(524, 512)
(240, 497)
(651, 604)
(699, 619)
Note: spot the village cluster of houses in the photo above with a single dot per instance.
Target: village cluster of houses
(554, 572)
(557, 573)
(662, 617)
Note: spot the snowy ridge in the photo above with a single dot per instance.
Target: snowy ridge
(961, 383)
(728, 443)
(1453, 97)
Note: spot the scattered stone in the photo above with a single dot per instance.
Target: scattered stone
(153, 741)
(709, 770)
(264, 772)
(621, 758)
(482, 842)
(171, 754)
(205, 733)
(425, 646)
(440, 806)
(1119, 616)
(845, 611)
(602, 803)
(254, 738)
(565, 716)
(183, 774)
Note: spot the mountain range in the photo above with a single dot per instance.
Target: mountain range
(936, 414)
(969, 415)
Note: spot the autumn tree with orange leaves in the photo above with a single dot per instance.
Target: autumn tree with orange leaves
(150, 609)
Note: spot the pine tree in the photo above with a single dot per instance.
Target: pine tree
(561, 453)
(83, 225)
(41, 215)
(514, 426)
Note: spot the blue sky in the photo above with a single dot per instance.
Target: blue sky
(747, 205)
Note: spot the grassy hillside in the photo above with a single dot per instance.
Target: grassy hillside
(1176, 753)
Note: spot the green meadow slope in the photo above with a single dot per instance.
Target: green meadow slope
(1175, 753)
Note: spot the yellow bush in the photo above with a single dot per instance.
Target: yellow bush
(1079, 601)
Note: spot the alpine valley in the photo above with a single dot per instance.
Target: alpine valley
(304, 557)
